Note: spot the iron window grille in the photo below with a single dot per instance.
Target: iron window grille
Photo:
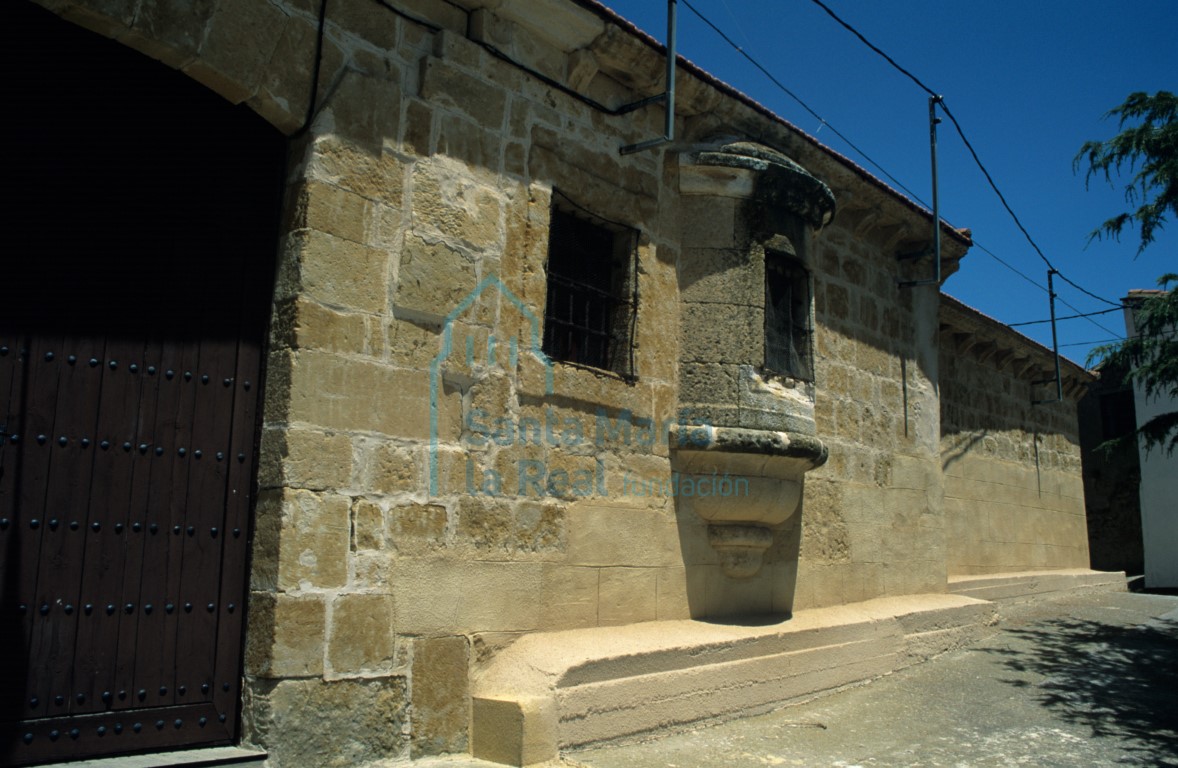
(788, 333)
(592, 290)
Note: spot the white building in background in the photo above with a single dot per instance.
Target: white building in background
(1159, 479)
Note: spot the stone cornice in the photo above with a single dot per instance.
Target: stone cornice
(969, 332)
(634, 59)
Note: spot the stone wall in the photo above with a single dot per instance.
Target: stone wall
(410, 521)
(1014, 494)
(872, 520)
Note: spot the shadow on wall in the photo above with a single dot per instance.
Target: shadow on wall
(766, 597)
(1117, 681)
(962, 448)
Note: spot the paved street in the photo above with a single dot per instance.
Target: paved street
(1078, 681)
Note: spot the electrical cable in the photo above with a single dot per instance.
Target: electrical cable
(797, 98)
(1066, 317)
(306, 126)
(875, 48)
(973, 153)
(1090, 343)
(1014, 216)
(884, 171)
(1009, 266)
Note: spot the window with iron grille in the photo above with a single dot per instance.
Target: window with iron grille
(589, 315)
(787, 318)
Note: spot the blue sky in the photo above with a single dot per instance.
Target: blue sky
(1029, 81)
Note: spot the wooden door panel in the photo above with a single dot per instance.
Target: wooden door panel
(125, 528)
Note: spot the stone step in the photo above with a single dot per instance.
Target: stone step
(1028, 585)
(189, 758)
(555, 690)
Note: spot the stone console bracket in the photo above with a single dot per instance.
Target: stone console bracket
(756, 480)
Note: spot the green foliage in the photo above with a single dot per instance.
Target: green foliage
(1151, 360)
(1148, 149)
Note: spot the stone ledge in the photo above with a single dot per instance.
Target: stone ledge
(553, 690)
(188, 757)
(1029, 585)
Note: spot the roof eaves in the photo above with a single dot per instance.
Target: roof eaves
(962, 236)
(1000, 327)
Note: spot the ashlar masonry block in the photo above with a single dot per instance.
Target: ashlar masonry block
(516, 731)
(334, 724)
(336, 272)
(440, 694)
(352, 395)
(304, 458)
(361, 640)
(286, 635)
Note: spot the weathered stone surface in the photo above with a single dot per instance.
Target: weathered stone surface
(540, 527)
(286, 634)
(451, 202)
(368, 525)
(303, 458)
(391, 468)
(627, 595)
(704, 338)
(329, 209)
(284, 85)
(485, 524)
(462, 139)
(338, 393)
(417, 528)
(466, 595)
(109, 18)
(307, 324)
(336, 272)
(369, 20)
(571, 596)
(375, 175)
(432, 280)
(411, 344)
(172, 33)
(446, 85)
(441, 695)
(418, 128)
(364, 110)
(236, 46)
(306, 540)
(341, 723)
(362, 638)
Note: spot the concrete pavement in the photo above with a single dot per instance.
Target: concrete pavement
(1079, 680)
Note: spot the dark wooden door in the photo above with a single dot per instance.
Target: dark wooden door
(124, 500)
(134, 297)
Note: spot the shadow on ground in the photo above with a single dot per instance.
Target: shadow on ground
(1120, 682)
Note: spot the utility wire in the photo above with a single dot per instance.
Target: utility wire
(1066, 317)
(1010, 266)
(875, 48)
(883, 170)
(1090, 343)
(968, 145)
(1002, 198)
(780, 85)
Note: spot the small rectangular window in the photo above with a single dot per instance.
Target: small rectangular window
(787, 318)
(589, 315)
